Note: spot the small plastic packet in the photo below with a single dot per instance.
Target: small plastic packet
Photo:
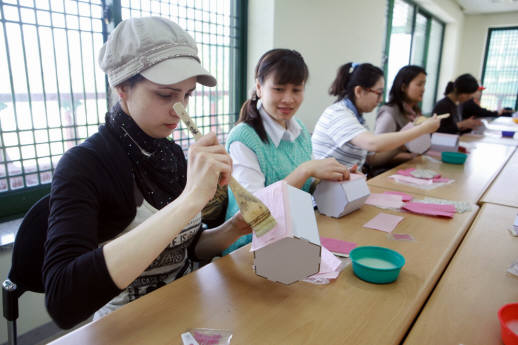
(400, 237)
(206, 336)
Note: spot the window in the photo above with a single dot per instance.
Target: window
(413, 37)
(54, 95)
(500, 70)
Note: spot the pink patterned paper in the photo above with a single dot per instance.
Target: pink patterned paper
(337, 246)
(447, 210)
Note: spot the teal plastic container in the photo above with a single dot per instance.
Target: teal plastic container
(377, 265)
(454, 157)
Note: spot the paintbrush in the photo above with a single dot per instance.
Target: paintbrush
(254, 212)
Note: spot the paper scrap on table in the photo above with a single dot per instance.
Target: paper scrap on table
(387, 201)
(430, 209)
(330, 268)
(337, 247)
(383, 222)
(404, 196)
(513, 268)
(401, 237)
(460, 206)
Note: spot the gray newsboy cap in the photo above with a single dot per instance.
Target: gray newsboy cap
(155, 47)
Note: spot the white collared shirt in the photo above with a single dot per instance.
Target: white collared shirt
(246, 168)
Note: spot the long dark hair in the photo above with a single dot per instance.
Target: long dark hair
(465, 83)
(349, 76)
(403, 78)
(288, 67)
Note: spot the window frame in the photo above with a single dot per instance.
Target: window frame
(416, 10)
(14, 203)
(486, 53)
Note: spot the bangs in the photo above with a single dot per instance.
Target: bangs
(290, 70)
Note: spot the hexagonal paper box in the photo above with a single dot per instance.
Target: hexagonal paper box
(291, 250)
(336, 199)
(445, 142)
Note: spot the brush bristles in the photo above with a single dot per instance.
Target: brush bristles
(264, 226)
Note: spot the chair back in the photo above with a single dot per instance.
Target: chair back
(28, 250)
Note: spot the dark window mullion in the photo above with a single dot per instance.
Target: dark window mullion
(13, 97)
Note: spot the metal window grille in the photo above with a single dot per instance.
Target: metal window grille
(54, 95)
(500, 70)
(415, 37)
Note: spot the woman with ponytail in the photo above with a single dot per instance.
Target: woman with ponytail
(459, 91)
(269, 144)
(341, 131)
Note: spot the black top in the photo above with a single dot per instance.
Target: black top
(470, 108)
(91, 201)
(449, 124)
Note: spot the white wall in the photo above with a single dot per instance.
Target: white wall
(329, 33)
(475, 32)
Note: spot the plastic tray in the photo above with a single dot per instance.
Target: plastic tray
(454, 157)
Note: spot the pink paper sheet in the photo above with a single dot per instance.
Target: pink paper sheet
(430, 209)
(405, 197)
(273, 197)
(383, 222)
(383, 200)
(337, 246)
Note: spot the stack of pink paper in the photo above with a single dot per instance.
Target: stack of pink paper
(430, 209)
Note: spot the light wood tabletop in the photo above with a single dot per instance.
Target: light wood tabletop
(227, 294)
(504, 189)
(489, 138)
(471, 179)
(463, 307)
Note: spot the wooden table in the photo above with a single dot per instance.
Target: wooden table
(504, 189)
(489, 138)
(463, 307)
(227, 294)
(471, 179)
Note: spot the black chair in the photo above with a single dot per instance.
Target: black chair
(27, 262)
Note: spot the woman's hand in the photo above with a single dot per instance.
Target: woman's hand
(238, 226)
(431, 124)
(470, 123)
(208, 164)
(327, 169)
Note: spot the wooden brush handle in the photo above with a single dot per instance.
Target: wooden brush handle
(186, 119)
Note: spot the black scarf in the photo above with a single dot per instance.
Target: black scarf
(158, 165)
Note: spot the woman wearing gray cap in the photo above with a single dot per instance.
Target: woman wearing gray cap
(125, 205)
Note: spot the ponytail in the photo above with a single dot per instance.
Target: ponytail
(250, 115)
(465, 83)
(351, 75)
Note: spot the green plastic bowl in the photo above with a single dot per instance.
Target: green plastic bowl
(454, 157)
(377, 265)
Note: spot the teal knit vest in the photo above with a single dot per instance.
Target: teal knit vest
(276, 162)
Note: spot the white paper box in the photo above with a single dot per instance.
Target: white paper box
(420, 144)
(291, 250)
(445, 142)
(336, 199)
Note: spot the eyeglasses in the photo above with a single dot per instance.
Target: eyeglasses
(377, 92)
